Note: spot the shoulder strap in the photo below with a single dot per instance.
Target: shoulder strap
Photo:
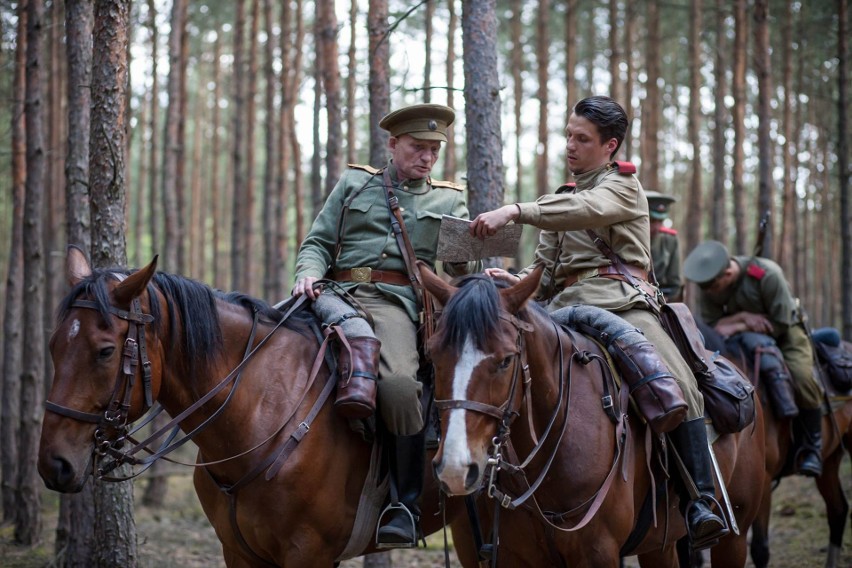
(622, 269)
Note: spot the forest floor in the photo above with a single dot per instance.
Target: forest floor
(179, 535)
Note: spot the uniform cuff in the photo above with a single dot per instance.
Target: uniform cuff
(530, 213)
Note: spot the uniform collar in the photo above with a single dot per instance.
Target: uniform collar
(587, 179)
(414, 185)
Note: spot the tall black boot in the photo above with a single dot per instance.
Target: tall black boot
(810, 450)
(704, 527)
(399, 523)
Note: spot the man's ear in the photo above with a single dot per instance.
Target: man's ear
(392, 142)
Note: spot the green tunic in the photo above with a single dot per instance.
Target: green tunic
(665, 250)
(762, 289)
(613, 204)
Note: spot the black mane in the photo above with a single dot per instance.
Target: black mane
(471, 312)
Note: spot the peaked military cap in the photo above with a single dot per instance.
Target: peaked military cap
(706, 261)
(424, 121)
(658, 204)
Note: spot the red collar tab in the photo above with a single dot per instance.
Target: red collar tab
(668, 230)
(567, 187)
(755, 271)
(625, 168)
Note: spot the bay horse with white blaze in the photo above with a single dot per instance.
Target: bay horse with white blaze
(531, 414)
(279, 473)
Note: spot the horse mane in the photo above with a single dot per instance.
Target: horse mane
(190, 301)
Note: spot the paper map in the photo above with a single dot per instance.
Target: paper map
(455, 243)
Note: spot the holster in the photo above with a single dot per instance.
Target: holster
(652, 385)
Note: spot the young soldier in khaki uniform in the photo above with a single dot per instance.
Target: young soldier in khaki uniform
(609, 199)
(665, 247)
(351, 242)
(744, 293)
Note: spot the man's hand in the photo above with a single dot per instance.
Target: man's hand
(486, 224)
(306, 286)
(757, 322)
(743, 321)
(500, 274)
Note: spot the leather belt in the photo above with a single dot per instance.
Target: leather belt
(367, 274)
(608, 271)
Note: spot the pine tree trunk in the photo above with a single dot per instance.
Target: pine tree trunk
(215, 169)
(351, 80)
(717, 201)
(427, 48)
(694, 214)
(379, 82)
(331, 89)
(271, 284)
(650, 167)
(298, 175)
(789, 217)
(450, 160)
(629, 34)
(518, 100)
(570, 68)
(542, 46)
(614, 54)
(238, 253)
(153, 195)
(285, 126)
(763, 73)
(247, 280)
(843, 166)
(738, 120)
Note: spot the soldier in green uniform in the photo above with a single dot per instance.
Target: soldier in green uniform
(750, 294)
(352, 242)
(609, 199)
(665, 247)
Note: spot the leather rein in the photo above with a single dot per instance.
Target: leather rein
(502, 444)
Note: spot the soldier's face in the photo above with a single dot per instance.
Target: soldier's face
(586, 150)
(412, 157)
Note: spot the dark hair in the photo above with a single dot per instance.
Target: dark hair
(608, 115)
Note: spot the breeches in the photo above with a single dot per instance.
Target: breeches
(398, 388)
(669, 353)
(799, 357)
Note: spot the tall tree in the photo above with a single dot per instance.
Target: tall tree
(298, 175)
(450, 150)
(789, 218)
(214, 164)
(153, 202)
(247, 281)
(570, 64)
(542, 50)
(350, 83)
(650, 167)
(29, 521)
(614, 54)
(10, 412)
(763, 73)
(482, 108)
(75, 529)
(327, 21)
(515, 29)
(238, 254)
(271, 287)
(843, 166)
(427, 65)
(738, 84)
(286, 119)
(717, 202)
(694, 215)
(629, 34)
(379, 82)
(115, 529)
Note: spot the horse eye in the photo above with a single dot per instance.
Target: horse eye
(106, 352)
(504, 364)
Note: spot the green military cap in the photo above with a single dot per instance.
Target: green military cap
(706, 261)
(424, 121)
(658, 204)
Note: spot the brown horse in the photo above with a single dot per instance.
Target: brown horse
(519, 392)
(278, 459)
(836, 435)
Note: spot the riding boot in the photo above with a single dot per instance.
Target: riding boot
(356, 388)
(704, 527)
(810, 449)
(399, 523)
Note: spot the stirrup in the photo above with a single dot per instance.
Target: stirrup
(711, 539)
(413, 524)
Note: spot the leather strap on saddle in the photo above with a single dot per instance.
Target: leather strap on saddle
(424, 299)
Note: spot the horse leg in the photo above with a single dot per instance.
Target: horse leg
(760, 529)
(836, 505)
(660, 557)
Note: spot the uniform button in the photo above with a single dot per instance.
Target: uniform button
(384, 255)
(402, 209)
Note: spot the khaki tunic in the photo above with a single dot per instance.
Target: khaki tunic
(367, 241)
(762, 289)
(613, 204)
(665, 250)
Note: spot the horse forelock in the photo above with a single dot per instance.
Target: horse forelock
(472, 313)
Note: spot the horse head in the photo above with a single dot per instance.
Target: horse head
(102, 375)
(478, 355)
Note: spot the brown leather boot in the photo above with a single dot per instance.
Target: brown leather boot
(356, 389)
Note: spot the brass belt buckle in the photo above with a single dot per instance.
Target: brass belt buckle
(362, 274)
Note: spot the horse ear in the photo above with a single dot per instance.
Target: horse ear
(133, 286)
(77, 267)
(434, 284)
(517, 295)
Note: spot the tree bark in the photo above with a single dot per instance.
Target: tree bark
(738, 120)
(570, 66)
(298, 175)
(247, 281)
(614, 54)
(427, 64)
(763, 71)
(271, 285)
(450, 160)
(789, 217)
(694, 214)
(153, 201)
(379, 82)
(518, 84)
(327, 21)
(717, 203)
(285, 126)
(843, 167)
(351, 83)
(650, 167)
(10, 416)
(238, 252)
(542, 61)
(629, 34)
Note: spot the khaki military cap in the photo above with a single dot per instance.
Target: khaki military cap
(658, 204)
(425, 121)
(706, 261)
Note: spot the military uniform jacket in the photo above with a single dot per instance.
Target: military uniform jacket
(366, 236)
(613, 204)
(760, 289)
(665, 250)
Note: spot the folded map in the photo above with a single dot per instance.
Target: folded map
(455, 243)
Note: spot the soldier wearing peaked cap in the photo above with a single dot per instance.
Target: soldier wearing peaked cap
(608, 199)
(665, 246)
(352, 244)
(742, 295)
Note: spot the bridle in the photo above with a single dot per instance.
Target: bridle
(112, 425)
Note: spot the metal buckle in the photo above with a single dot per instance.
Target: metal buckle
(362, 274)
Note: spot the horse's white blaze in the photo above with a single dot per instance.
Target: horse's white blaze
(456, 451)
(74, 330)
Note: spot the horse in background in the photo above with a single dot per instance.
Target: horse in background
(836, 436)
(279, 474)
(531, 415)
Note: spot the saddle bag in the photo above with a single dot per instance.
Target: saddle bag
(728, 395)
(836, 362)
